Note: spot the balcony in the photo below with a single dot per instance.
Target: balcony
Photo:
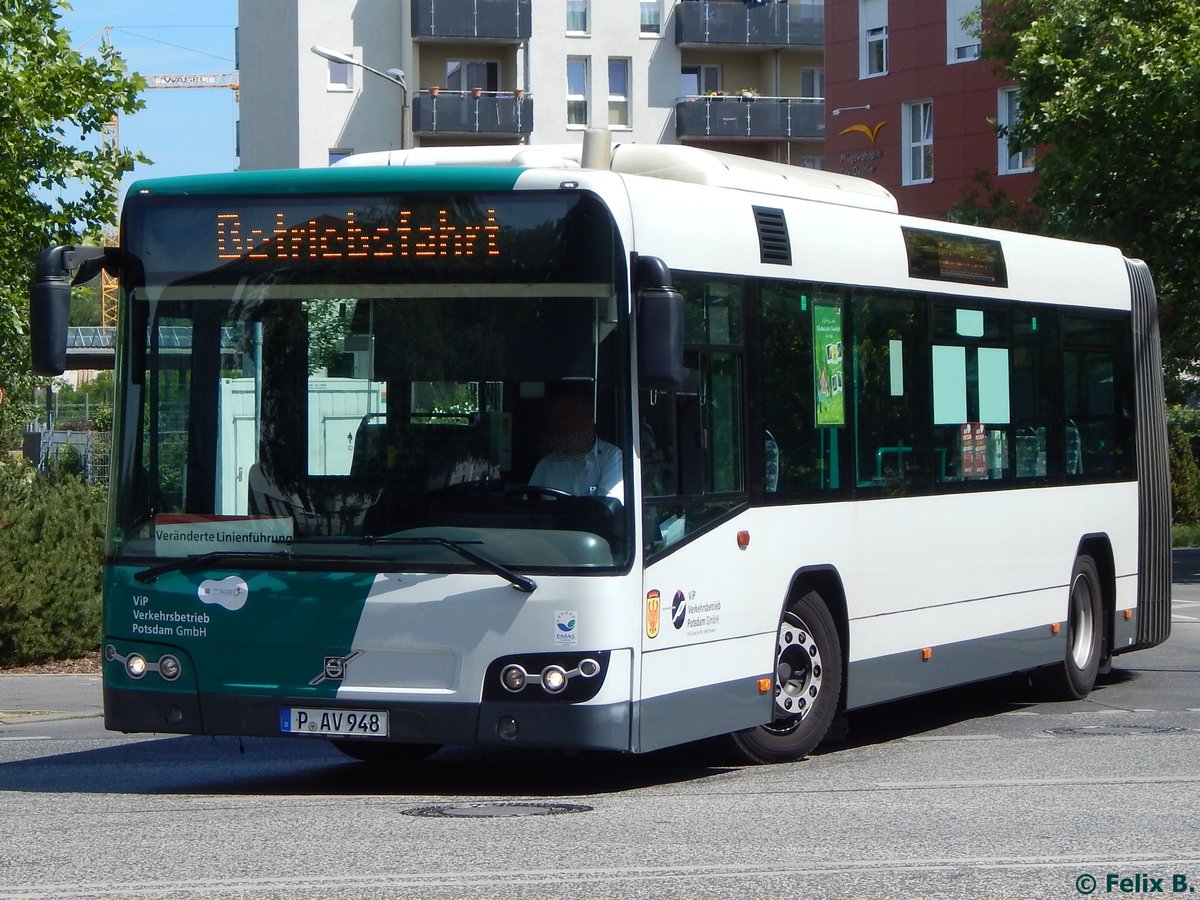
(720, 23)
(488, 20)
(757, 118)
(461, 112)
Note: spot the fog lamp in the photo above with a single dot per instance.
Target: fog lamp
(513, 678)
(169, 667)
(135, 665)
(554, 679)
(507, 728)
(589, 668)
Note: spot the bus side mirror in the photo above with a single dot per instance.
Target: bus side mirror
(50, 301)
(659, 327)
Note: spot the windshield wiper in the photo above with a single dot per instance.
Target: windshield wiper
(522, 583)
(189, 563)
(199, 561)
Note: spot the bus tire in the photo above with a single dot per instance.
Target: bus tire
(386, 752)
(808, 685)
(1075, 676)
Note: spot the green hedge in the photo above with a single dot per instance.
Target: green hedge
(1183, 433)
(51, 545)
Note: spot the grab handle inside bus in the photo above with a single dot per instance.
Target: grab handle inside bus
(659, 325)
(50, 300)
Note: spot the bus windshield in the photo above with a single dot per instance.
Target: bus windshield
(374, 379)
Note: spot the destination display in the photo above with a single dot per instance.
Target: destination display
(536, 237)
(954, 257)
(408, 234)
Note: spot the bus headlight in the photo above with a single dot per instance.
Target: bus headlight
(513, 678)
(135, 665)
(564, 677)
(554, 679)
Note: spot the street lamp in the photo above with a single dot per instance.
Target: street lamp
(395, 76)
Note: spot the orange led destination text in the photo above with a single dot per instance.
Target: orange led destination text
(328, 237)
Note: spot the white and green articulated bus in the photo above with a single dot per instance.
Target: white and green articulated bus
(858, 456)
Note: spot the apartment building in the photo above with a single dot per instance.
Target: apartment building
(913, 105)
(726, 74)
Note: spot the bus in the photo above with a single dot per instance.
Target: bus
(858, 456)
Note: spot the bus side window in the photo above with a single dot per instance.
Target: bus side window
(890, 411)
(693, 458)
(1034, 361)
(1096, 392)
(802, 389)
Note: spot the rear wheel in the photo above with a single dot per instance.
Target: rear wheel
(385, 753)
(1075, 676)
(808, 684)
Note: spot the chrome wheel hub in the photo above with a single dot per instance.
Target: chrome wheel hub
(798, 671)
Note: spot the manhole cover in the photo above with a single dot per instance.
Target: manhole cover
(1114, 730)
(496, 810)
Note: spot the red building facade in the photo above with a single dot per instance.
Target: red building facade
(912, 106)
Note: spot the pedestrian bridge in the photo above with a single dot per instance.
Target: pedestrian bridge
(94, 346)
(91, 346)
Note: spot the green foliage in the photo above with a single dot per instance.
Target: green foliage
(988, 205)
(328, 325)
(1183, 429)
(95, 398)
(51, 541)
(1108, 96)
(58, 179)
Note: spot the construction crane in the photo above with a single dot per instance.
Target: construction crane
(195, 80)
(189, 81)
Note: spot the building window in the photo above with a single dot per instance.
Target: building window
(873, 38)
(341, 76)
(577, 91)
(651, 17)
(577, 16)
(812, 84)
(1013, 158)
(876, 39)
(465, 74)
(697, 80)
(618, 92)
(918, 142)
(962, 31)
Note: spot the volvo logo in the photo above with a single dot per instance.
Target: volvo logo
(335, 668)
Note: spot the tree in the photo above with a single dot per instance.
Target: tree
(58, 179)
(1108, 96)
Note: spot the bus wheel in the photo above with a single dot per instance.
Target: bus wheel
(808, 683)
(1074, 677)
(384, 753)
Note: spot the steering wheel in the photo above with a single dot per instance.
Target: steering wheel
(536, 492)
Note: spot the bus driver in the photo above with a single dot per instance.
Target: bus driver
(577, 461)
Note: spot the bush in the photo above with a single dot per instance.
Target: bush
(51, 546)
(1183, 431)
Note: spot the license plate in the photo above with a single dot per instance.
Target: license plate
(337, 722)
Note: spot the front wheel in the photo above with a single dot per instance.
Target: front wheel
(808, 684)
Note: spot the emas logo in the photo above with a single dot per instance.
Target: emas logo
(565, 622)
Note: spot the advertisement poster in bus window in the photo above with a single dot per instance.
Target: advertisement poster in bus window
(828, 364)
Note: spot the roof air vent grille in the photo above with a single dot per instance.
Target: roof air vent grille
(773, 243)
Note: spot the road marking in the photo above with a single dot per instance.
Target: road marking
(408, 882)
(955, 737)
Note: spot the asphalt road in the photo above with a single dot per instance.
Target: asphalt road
(977, 792)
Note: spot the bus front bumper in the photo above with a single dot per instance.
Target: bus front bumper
(568, 726)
